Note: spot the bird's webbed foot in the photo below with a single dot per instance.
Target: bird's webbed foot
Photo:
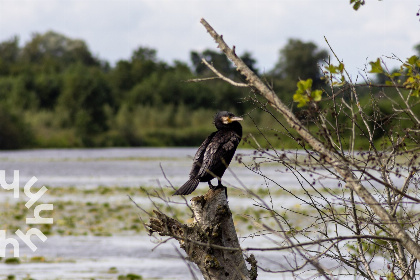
(220, 186)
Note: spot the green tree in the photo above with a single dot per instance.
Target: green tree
(128, 75)
(48, 87)
(14, 132)
(83, 102)
(299, 60)
(16, 92)
(9, 52)
(144, 62)
(53, 51)
(121, 77)
(37, 68)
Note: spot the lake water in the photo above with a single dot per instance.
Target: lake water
(109, 167)
(106, 257)
(87, 257)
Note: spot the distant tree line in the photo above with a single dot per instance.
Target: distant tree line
(55, 93)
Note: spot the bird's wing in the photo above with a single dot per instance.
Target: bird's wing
(219, 153)
(199, 155)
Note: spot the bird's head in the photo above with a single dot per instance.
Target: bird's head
(225, 119)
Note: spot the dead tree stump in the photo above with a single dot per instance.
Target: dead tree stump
(210, 241)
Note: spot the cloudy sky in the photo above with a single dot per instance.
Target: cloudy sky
(114, 28)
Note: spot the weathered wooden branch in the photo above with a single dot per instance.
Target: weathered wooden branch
(210, 241)
(219, 76)
(342, 167)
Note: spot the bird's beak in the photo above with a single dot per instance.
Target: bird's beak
(227, 120)
(235, 119)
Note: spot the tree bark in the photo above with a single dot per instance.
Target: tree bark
(210, 241)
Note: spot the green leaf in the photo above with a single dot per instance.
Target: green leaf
(305, 85)
(414, 60)
(409, 83)
(304, 94)
(376, 67)
(357, 4)
(341, 67)
(316, 95)
(300, 88)
(335, 69)
(339, 84)
(301, 99)
(331, 68)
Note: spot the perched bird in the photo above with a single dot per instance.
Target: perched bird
(215, 153)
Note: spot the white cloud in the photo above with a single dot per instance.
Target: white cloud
(113, 29)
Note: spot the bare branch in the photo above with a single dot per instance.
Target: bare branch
(219, 76)
(342, 167)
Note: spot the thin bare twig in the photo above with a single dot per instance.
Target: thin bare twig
(219, 76)
(342, 168)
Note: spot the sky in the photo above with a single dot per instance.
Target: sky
(114, 28)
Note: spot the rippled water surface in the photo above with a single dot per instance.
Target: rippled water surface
(106, 257)
(109, 167)
(91, 257)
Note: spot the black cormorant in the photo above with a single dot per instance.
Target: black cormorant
(215, 153)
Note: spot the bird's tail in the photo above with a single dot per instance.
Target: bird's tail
(188, 187)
